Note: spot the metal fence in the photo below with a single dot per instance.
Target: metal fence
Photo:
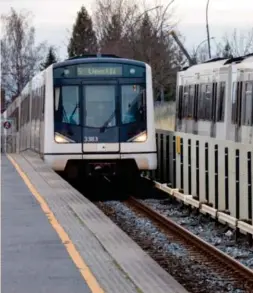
(217, 173)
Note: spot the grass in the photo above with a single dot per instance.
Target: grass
(165, 116)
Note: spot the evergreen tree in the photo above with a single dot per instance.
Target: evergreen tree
(112, 34)
(227, 51)
(83, 38)
(50, 59)
(146, 41)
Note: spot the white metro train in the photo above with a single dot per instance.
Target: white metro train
(215, 99)
(89, 114)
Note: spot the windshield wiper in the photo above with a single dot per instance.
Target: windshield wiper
(102, 129)
(72, 114)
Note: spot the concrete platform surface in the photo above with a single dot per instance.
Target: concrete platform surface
(33, 257)
(117, 262)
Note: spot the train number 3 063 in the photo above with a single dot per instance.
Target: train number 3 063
(90, 139)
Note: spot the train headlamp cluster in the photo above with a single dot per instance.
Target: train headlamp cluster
(140, 137)
(60, 138)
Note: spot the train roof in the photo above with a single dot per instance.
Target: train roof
(208, 65)
(247, 62)
(216, 63)
(95, 58)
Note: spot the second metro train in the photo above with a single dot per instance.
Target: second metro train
(215, 99)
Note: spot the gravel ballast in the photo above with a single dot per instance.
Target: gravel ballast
(206, 228)
(173, 257)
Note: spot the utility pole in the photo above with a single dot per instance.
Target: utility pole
(207, 29)
(181, 46)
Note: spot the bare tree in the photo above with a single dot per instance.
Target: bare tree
(234, 45)
(20, 57)
(239, 43)
(200, 54)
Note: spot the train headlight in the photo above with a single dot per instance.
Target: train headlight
(141, 137)
(60, 138)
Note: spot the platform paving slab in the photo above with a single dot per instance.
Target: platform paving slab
(33, 257)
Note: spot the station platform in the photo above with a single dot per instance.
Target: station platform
(56, 240)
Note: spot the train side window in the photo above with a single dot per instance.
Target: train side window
(31, 101)
(16, 116)
(191, 102)
(205, 102)
(214, 102)
(185, 102)
(196, 101)
(41, 103)
(234, 102)
(56, 98)
(21, 116)
(208, 103)
(17, 119)
(33, 105)
(221, 101)
(248, 104)
(57, 110)
(237, 103)
(23, 112)
(43, 92)
(180, 102)
(27, 109)
(38, 104)
(200, 102)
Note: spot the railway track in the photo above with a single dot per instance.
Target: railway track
(194, 263)
(201, 251)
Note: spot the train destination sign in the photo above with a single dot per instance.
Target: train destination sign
(99, 71)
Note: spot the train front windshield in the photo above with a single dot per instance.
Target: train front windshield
(100, 102)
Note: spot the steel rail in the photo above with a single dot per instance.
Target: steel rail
(244, 272)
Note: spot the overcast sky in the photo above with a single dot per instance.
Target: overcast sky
(54, 18)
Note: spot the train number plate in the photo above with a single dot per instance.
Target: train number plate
(90, 139)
